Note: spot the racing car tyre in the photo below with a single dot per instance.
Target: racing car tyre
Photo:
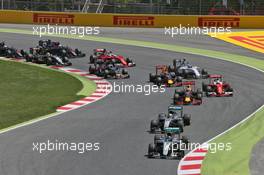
(151, 77)
(176, 97)
(199, 95)
(185, 140)
(187, 119)
(154, 125)
(124, 72)
(151, 150)
(181, 154)
(92, 60)
(179, 79)
(161, 116)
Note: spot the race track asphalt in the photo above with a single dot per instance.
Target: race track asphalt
(120, 121)
(158, 35)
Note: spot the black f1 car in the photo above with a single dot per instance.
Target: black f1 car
(169, 145)
(108, 71)
(186, 70)
(164, 77)
(217, 87)
(37, 56)
(188, 96)
(11, 52)
(175, 118)
(102, 55)
(55, 48)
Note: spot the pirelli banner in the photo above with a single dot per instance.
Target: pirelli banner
(128, 20)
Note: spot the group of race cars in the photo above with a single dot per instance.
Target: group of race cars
(108, 65)
(168, 141)
(46, 52)
(103, 63)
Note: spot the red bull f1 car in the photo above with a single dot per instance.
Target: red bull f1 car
(102, 55)
(164, 77)
(188, 96)
(217, 87)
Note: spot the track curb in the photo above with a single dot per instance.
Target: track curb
(103, 88)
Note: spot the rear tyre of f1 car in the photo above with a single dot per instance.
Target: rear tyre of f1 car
(151, 150)
(185, 140)
(187, 119)
(181, 154)
(151, 77)
(92, 60)
(153, 125)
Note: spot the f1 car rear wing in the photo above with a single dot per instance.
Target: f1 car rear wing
(215, 76)
(187, 83)
(172, 130)
(173, 107)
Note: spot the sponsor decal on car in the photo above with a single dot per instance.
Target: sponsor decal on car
(53, 18)
(133, 20)
(219, 22)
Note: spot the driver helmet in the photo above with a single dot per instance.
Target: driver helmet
(110, 66)
(48, 54)
(172, 74)
(44, 44)
(217, 81)
(188, 88)
(64, 52)
(170, 114)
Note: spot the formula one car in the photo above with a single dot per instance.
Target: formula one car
(55, 48)
(108, 71)
(175, 118)
(186, 70)
(164, 77)
(36, 56)
(10, 52)
(168, 145)
(103, 55)
(188, 96)
(217, 87)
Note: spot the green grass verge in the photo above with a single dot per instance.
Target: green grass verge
(236, 161)
(28, 92)
(240, 153)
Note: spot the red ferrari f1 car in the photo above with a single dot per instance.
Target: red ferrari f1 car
(188, 96)
(217, 87)
(102, 55)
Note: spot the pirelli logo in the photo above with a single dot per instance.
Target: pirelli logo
(219, 22)
(142, 21)
(48, 18)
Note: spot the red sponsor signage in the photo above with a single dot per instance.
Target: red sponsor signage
(49, 18)
(133, 20)
(219, 22)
